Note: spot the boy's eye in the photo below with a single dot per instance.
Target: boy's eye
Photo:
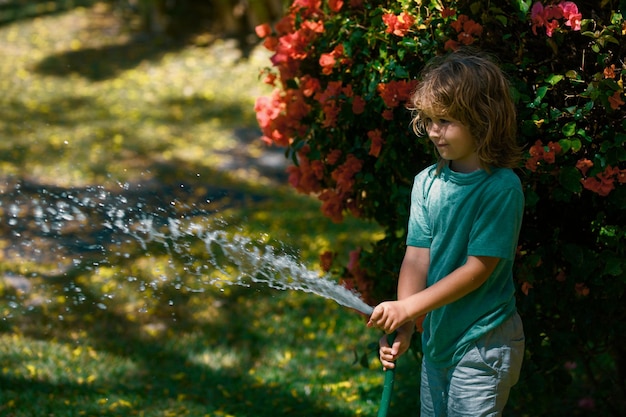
(440, 121)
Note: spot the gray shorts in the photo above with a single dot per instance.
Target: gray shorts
(479, 385)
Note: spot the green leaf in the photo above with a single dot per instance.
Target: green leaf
(553, 79)
(573, 254)
(502, 19)
(524, 6)
(613, 266)
(566, 145)
(569, 129)
(610, 38)
(541, 92)
(569, 178)
(572, 75)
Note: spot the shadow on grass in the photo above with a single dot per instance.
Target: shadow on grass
(164, 376)
(15, 10)
(106, 62)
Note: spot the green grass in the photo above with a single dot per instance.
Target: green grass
(91, 114)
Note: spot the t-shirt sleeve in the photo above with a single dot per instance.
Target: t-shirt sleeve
(496, 228)
(419, 232)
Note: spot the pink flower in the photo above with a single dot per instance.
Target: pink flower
(549, 16)
(551, 26)
(570, 13)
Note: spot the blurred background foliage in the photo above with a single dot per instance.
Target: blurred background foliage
(106, 118)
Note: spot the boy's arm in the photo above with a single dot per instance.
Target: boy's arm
(389, 316)
(412, 279)
(413, 275)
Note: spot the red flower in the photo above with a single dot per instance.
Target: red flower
(307, 175)
(344, 173)
(331, 110)
(388, 114)
(307, 8)
(295, 106)
(285, 25)
(468, 30)
(581, 289)
(398, 25)
(263, 30)
(333, 156)
(358, 105)
(447, 12)
(335, 5)
(583, 165)
(538, 153)
(615, 101)
(472, 28)
(309, 85)
(268, 108)
(451, 45)
(603, 183)
(376, 138)
(333, 89)
(270, 43)
(326, 260)
(609, 72)
(395, 92)
(327, 60)
(270, 79)
(332, 205)
(457, 25)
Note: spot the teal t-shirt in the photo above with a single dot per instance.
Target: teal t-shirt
(456, 215)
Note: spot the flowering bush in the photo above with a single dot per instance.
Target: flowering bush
(343, 72)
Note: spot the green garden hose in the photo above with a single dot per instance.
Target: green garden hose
(388, 384)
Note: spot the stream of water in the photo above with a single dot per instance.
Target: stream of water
(91, 227)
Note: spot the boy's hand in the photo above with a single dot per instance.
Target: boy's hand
(388, 316)
(389, 354)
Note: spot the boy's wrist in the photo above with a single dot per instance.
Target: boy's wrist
(407, 328)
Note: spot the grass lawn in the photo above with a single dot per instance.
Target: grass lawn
(103, 132)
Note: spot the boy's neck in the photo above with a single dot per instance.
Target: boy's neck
(465, 167)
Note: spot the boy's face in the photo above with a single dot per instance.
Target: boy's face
(453, 142)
